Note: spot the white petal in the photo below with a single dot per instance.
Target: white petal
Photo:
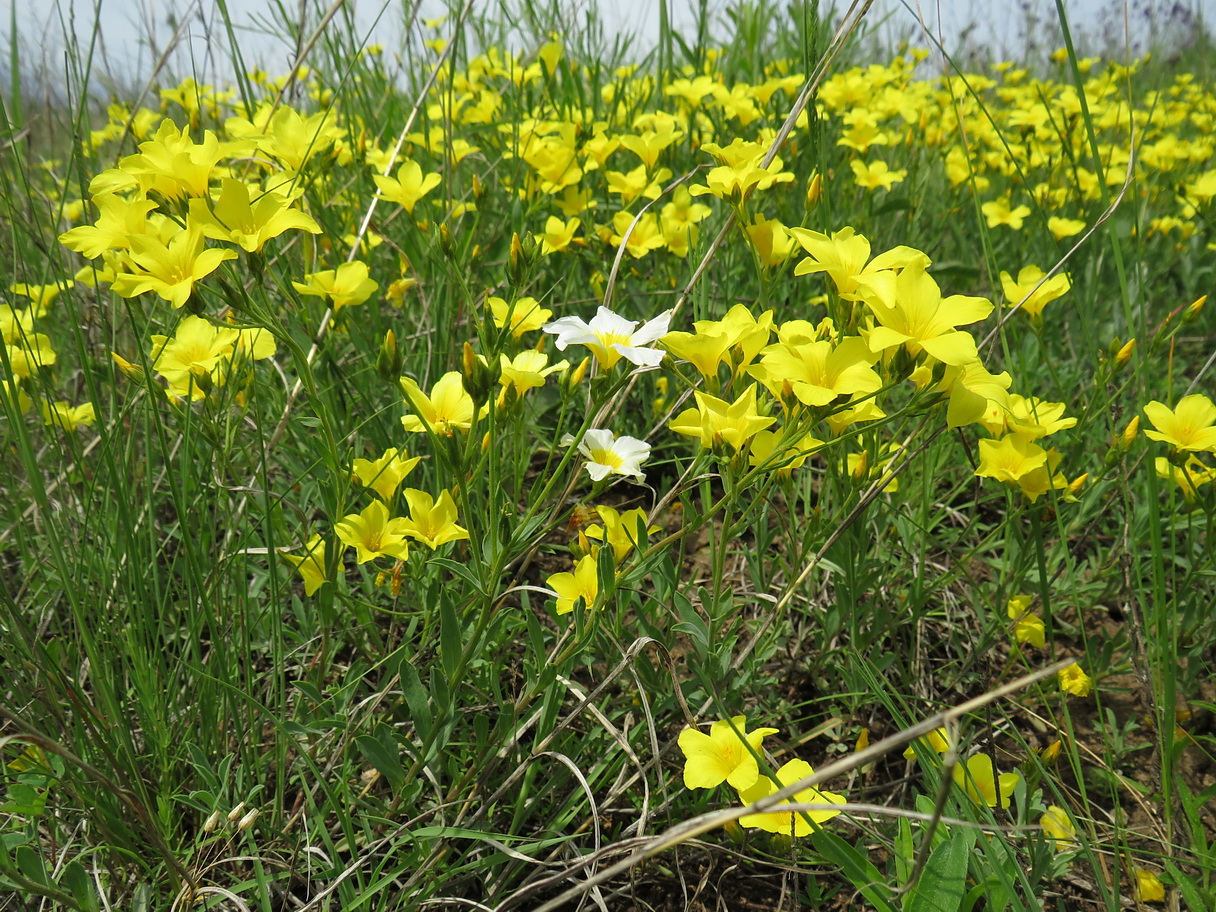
(642, 357)
(605, 322)
(598, 471)
(653, 329)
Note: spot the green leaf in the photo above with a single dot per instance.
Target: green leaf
(1190, 891)
(383, 757)
(943, 882)
(416, 698)
(76, 880)
(861, 873)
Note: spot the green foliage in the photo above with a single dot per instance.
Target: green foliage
(347, 559)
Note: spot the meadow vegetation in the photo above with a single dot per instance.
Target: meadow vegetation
(738, 473)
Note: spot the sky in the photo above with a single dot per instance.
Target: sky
(134, 33)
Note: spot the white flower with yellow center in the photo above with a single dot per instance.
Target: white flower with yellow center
(607, 454)
(611, 337)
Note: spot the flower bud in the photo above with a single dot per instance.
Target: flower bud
(516, 267)
(479, 188)
(572, 377)
(861, 466)
(247, 821)
(212, 823)
(388, 361)
(132, 372)
(479, 377)
(236, 812)
(814, 190)
(1128, 437)
(1193, 309)
(1124, 354)
(446, 244)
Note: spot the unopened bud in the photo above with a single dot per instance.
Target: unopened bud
(1051, 751)
(572, 377)
(1124, 354)
(479, 377)
(1193, 309)
(1128, 437)
(132, 372)
(212, 823)
(446, 244)
(479, 188)
(814, 190)
(388, 361)
(1075, 486)
(861, 466)
(247, 821)
(236, 812)
(517, 269)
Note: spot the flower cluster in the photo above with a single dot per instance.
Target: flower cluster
(729, 754)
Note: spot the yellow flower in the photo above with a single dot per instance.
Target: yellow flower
(195, 350)
(817, 372)
(620, 530)
(410, 186)
(118, 219)
(40, 296)
(998, 212)
(1061, 228)
(716, 421)
(649, 145)
(1010, 458)
(347, 285)
(1190, 476)
(449, 406)
(1059, 828)
(384, 475)
(525, 315)
(876, 174)
(1075, 681)
(557, 235)
(938, 740)
(704, 350)
(432, 522)
(982, 784)
(845, 257)
(527, 370)
(645, 236)
(1023, 291)
(169, 269)
(28, 353)
(787, 822)
(917, 317)
(1149, 887)
(793, 455)
(721, 756)
(583, 584)
(235, 218)
(310, 564)
(173, 164)
(373, 534)
(770, 239)
(1027, 626)
(735, 184)
(1189, 427)
(67, 416)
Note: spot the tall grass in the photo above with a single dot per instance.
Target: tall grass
(228, 685)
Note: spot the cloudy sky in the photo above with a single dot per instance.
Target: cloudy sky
(134, 33)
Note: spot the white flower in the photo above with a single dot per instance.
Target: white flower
(611, 337)
(607, 454)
